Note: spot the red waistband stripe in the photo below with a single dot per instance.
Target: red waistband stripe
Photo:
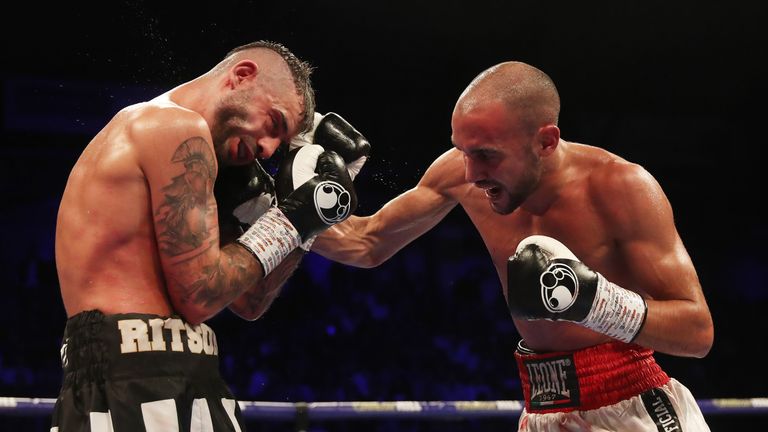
(587, 379)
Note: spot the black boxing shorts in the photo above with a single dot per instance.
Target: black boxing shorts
(141, 373)
(586, 379)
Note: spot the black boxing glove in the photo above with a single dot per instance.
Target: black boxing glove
(315, 192)
(545, 280)
(334, 195)
(336, 134)
(243, 193)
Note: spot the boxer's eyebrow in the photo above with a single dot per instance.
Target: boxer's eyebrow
(280, 122)
(476, 150)
(283, 123)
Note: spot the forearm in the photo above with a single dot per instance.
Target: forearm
(348, 243)
(677, 327)
(371, 240)
(207, 287)
(252, 304)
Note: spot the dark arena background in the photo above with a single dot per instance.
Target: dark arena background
(677, 86)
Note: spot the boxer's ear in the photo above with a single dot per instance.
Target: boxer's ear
(548, 138)
(243, 71)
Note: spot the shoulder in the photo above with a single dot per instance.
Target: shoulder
(606, 173)
(158, 122)
(614, 176)
(624, 190)
(163, 133)
(446, 173)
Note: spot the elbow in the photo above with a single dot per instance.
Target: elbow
(701, 350)
(193, 314)
(248, 314)
(700, 336)
(704, 339)
(194, 317)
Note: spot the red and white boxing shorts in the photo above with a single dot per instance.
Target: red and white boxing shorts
(609, 387)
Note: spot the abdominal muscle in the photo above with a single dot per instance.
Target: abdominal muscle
(549, 336)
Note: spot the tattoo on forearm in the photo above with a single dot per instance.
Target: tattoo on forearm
(215, 285)
(260, 298)
(182, 217)
(257, 301)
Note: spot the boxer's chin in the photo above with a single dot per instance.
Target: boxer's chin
(501, 209)
(502, 203)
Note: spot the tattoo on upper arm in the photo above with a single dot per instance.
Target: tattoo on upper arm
(182, 218)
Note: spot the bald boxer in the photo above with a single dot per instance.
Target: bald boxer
(592, 267)
(140, 261)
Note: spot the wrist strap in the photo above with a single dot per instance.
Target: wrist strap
(271, 238)
(616, 311)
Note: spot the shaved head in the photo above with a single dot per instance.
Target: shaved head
(524, 89)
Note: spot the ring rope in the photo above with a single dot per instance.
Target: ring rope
(21, 406)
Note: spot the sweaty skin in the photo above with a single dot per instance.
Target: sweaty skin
(513, 183)
(137, 228)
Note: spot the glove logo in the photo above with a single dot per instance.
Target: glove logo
(559, 287)
(332, 202)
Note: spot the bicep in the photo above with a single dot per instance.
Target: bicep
(183, 206)
(180, 172)
(657, 265)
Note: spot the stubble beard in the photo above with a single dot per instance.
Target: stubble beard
(228, 114)
(513, 199)
(528, 184)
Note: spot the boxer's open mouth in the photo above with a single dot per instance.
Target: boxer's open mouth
(492, 192)
(243, 152)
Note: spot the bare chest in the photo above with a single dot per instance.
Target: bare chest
(571, 220)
